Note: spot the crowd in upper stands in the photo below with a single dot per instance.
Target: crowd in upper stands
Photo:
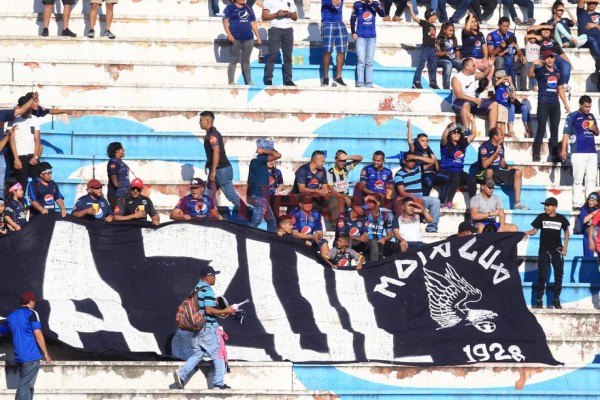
(381, 214)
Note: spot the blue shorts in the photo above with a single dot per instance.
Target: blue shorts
(487, 222)
(483, 109)
(334, 35)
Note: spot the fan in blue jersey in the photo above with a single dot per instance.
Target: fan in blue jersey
(93, 206)
(580, 132)
(44, 194)
(308, 227)
(195, 205)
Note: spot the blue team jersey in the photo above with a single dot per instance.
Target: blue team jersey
(353, 228)
(21, 323)
(548, 82)
(88, 201)
(275, 180)
(312, 180)
(117, 167)
(453, 157)
(584, 18)
(363, 17)
(240, 19)
(566, 23)
(378, 226)
(503, 95)
(509, 57)
(472, 45)
(45, 194)
(16, 211)
(377, 181)
(495, 38)
(306, 224)
(195, 208)
(550, 44)
(330, 12)
(581, 138)
(411, 180)
(486, 150)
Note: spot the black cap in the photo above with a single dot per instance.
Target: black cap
(208, 271)
(466, 226)
(551, 201)
(197, 182)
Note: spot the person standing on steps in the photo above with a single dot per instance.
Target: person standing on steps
(67, 6)
(552, 251)
(220, 172)
(94, 5)
(335, 36)
(427, 53)
(28, 342)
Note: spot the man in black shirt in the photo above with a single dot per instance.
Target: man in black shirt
(551, 248)
(135, 206)
(218, 167)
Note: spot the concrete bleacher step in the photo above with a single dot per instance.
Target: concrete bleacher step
(293, 379)
(27, 70)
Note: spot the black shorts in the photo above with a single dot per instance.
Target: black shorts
(504, 176)
(65, 2)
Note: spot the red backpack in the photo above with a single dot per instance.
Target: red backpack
(189, 317)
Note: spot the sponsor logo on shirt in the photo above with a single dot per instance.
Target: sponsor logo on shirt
(49, 199)
(552, 82)
(367, 16)
(554, 225)
(306, 230)
(354, 232)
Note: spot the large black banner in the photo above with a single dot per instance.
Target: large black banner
(114, 288)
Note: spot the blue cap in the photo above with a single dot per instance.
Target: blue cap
(265, 144)
(208, 271)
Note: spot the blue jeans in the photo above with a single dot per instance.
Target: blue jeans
(27, 375)
(224, 179)
(433, 205)
(593, 43)
(525, 111)
(2, 174)
(205, 342)
(510, 4)
(365, 51)
(437, 179)
(564, 66)
(262, 209)
(426, 55)
(447, 66)
(461, 9)
(214, 5)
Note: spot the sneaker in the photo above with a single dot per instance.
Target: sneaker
(268, 82)
(556, 304)
(386, 18)
(178, 380)
(536, 159)
(340, 81)
(223, 386)
(530, 22)
(325, 82)
(539, 304)
(219, 15)
(44, 32)
(417, 85)
(431, 229)
(520, 206)
(434, 86)
(68, 32)
(108, 34)
(369, 85)
(289, 83)
(91, 34)
(360, 85)
(518, 21)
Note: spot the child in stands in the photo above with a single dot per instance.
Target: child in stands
(447, 52)
(2, 224)
(16, 212)
(341, 256)
(427, 54)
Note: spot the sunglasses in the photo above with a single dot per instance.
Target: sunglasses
(136, 189)
(550, 56)
(560, 10)
(456, 132)
(410, 205)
